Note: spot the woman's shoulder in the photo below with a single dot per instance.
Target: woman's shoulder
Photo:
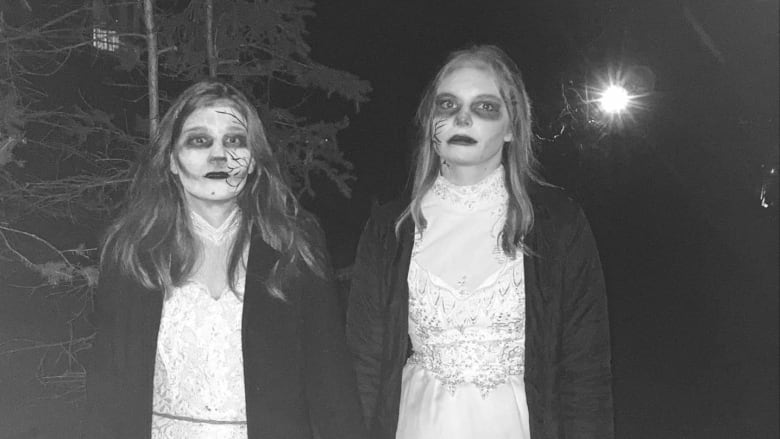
(303, 223)
(388, 212)
(383, 217)
(558, 218)
(553, 203)
(310, 226)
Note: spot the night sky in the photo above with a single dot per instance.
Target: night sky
(716, 104)
(689, 254)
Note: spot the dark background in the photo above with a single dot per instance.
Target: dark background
(673, 196)
(689, 254)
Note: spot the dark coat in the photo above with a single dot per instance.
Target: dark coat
(567, 370)
(297, 371)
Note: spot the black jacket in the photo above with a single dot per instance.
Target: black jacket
(297, 371)
(567, 370)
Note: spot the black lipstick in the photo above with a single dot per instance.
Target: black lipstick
(217, 175)
(461, 140)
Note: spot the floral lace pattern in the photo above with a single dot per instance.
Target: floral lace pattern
(468, 337)
(199, 372)
(489, 190)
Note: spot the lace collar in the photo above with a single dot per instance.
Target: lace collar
(490, 190)
(216, 235)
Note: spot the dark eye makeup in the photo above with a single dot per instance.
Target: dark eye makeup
(197, 140)
(203, 140)
(234, 140)
(485, 107)
(446, 105)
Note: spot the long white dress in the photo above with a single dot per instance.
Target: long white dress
(199, 372)
(466, 320)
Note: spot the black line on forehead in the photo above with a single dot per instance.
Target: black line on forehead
(237, 118)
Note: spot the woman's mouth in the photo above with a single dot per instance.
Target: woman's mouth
(221, 175)
(461, 140)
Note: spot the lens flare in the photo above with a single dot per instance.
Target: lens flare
(614, 99)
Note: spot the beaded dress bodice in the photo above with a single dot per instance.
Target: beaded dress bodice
(464, 378)
(466, 298)
(476, 337)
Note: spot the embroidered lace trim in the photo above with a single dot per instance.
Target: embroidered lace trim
(468, 337)
(490, 189)
(216, 235)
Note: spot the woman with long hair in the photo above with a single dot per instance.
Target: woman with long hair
(215, 312)
(478, 307)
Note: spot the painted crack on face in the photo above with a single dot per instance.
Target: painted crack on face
(236, 165)
(238, 168)
(438, 124)
(212, 158)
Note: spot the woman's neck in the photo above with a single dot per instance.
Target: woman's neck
(467, 175)
(214, 213)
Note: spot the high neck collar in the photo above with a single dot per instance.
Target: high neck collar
(490, 190)
(216, 235)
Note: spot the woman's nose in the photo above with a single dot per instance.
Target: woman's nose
(218, 152)
(463, 118)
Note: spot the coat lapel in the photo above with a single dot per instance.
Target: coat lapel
(262, 258)
(262, 332)
(401, 260)
(257, 299)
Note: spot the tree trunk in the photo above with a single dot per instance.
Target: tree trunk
(210, 48)
(151, 50)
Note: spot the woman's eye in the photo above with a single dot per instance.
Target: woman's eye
(199, 141)
(487, 106)
(235, 141)
(446, 104)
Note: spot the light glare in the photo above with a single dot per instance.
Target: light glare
(614, 99)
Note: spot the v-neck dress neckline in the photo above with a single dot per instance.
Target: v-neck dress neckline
(199, 372)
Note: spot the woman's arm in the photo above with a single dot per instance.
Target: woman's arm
(365, 322)
(586, 377)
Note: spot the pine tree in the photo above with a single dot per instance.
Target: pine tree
(80, 87)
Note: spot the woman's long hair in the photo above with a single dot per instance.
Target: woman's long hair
(152, 241)
(517, 156)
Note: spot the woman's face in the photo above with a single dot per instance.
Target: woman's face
(211, 156)
(470, 122)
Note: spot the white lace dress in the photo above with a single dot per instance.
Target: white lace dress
(199, 373)
(466, 321)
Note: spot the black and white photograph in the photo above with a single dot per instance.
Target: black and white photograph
(365, 219)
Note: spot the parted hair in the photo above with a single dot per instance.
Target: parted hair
(518, 158)
(152, 242)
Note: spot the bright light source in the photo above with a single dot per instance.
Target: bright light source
(614, 99)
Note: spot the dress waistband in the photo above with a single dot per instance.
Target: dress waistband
(197, 420)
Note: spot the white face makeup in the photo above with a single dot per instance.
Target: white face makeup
(470, 122)
(211, 156)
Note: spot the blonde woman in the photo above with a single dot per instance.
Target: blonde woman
(477, 308)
